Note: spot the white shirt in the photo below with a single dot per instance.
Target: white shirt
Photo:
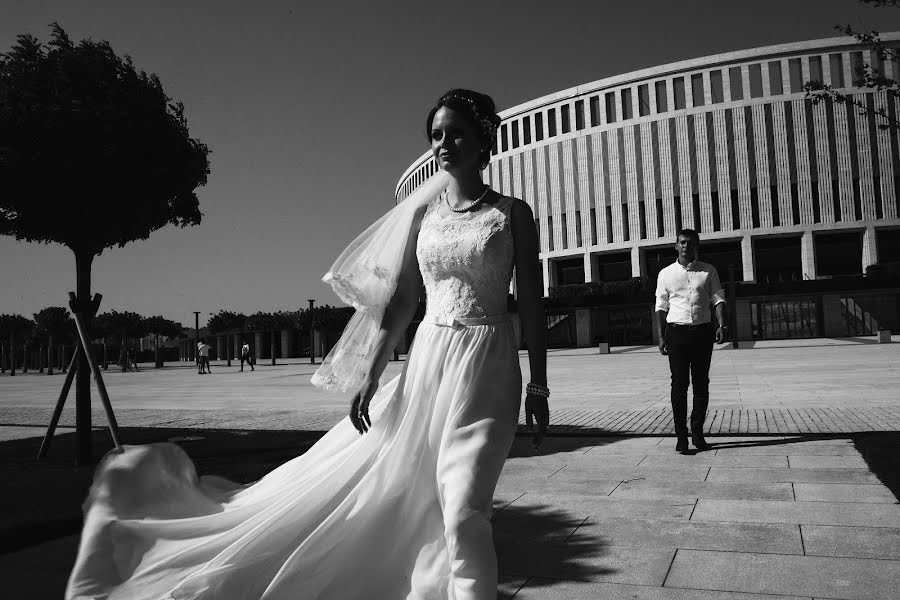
(204, 349)
(687, 292)
(245, 349)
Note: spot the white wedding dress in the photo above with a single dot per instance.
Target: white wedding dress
(401, 512)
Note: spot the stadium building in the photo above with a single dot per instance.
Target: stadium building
(795, 201)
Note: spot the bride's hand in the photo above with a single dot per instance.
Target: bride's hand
(536, 407)
(359, 407)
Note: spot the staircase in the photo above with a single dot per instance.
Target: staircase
(856, 320)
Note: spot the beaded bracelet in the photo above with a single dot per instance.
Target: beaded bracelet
(538, 390)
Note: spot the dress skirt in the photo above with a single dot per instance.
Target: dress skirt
(401, 512)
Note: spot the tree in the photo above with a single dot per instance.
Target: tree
(14, 328)
(227, 322)
(55, 324)
(93, 154)
(159, 326)
(867, 75)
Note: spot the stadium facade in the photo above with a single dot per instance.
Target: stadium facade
(782, 190)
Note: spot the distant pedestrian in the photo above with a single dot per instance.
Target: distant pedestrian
(132, 358)
(246, 356)
(203, 354)
(684, 292)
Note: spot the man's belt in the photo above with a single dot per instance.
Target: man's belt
(690, 327)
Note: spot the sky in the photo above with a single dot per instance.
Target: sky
(314, 109)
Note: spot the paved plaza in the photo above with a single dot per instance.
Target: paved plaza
(798, 510)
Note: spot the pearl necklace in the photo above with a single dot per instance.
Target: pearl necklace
(471, 205)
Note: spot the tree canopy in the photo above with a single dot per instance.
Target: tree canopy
(93, 153)
(53, 321)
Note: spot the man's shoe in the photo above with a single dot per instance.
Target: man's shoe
(682, 445)
(700, 443)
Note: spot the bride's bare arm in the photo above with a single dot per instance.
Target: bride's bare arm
(530, 294)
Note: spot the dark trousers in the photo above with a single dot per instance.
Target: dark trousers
(690, 352)
(247, 359)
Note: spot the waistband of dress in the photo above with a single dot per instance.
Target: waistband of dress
(466, 321)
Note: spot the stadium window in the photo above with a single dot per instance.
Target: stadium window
(815, 69)
(627, 109)
(662, 104)
(610, 107)
(776, 87)
(736, 82)
(550, 231)
(551, 122)
(515, 134)
(756, 88)
(836, 62)
(795, 70)
(564, 113)
(644, 100)
(593, 227)
(715, 87)
(538, 126)
(504, 143)
(526, 130)
(678, 88)
(579, 241)
(595, 110)
(579, 117)
(857, 68)
(565, 232)
(697, 94)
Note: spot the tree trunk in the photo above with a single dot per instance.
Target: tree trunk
(83, 261)
(40, 359)
(105, 355)
(12, 354)
(157, 356)
(272, 346)
(51, 359)
(2, 357)
(25, 358)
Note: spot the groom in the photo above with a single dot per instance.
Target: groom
(684, 292)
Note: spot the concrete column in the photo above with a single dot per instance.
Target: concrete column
(236, 345)
(287, 336)
(259, 351)
(545, 264)
(635, 262)
(808, 255)
(220, 347)
(583, 327)
(869, 248)
(588, 268)
(743, 320)
(833, 325)
(316, 344)
(747, 258)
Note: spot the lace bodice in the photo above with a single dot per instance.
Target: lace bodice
(466, 260)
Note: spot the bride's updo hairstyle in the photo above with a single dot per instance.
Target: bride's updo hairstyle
(479, 108)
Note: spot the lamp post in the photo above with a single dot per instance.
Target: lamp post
(196, 335)
(312, 334)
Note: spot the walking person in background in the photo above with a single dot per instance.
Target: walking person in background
(246, 356)
(203, 353)
(684, 292)
(132, 358)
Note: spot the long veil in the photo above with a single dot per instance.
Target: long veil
(365, 276)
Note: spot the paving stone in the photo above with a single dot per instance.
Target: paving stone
(827, 462)
(680, 473)
(856, 542)
(654, 489)
(554, 589)
(806, 447)
(586, 505)
(801, 513)
(780, 475)
(843, 492)
(710, 459)
(582, 558)
(696, 535)
(845, 578)
(557, 485)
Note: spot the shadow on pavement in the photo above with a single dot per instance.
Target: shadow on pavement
(553, 444)
(881, 452)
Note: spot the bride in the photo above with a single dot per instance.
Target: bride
(394, 502)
